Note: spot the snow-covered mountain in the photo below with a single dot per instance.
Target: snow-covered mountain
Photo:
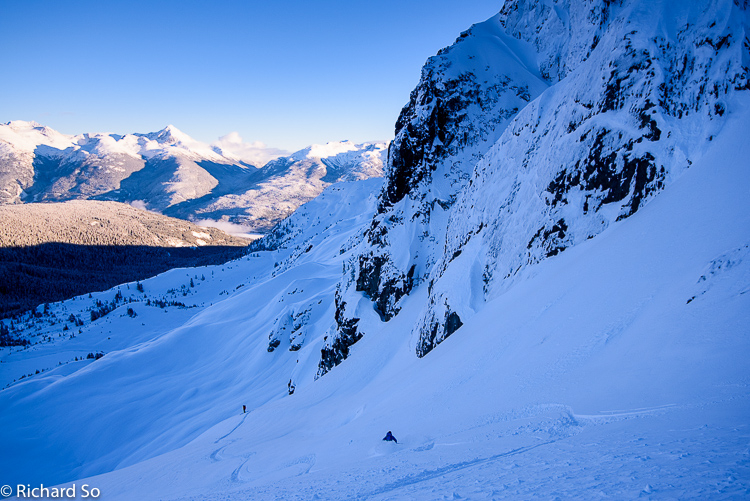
(546, 296)
(285, 183)
(537, 130)
(169, 172)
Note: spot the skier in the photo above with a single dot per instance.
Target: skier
(244, 408)
(389, 437)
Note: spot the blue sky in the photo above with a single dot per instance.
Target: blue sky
(287, 73)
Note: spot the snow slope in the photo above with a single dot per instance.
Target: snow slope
(545, 297)
(563, 386)
(149, 341)
(170, 172)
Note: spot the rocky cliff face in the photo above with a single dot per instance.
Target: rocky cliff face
(466, 96)
(535, 131)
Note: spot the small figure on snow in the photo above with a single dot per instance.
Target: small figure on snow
(244, 409)
(389, 437)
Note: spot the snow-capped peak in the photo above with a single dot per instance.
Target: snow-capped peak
(173, 140)
(27, 136)
(170, 135)
(23, 124)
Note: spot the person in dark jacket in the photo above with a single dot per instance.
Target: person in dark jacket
(390, 438)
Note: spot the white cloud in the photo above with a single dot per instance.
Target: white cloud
(255, 153)
(233, 229)
(141, 204)
(331, 149)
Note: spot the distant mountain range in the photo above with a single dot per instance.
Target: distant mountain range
(171, 173)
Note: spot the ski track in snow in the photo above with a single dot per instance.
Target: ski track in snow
(236, 475)
(216, 455)
(244, 416)
(444, 471)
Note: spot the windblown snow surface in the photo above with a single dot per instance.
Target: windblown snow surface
(614, 367)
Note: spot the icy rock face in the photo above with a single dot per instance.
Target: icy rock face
(649, 91)
(466, 96)
(292, 325)
(337, 349)
(535, 131)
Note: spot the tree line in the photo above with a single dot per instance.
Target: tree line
(50, 272)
